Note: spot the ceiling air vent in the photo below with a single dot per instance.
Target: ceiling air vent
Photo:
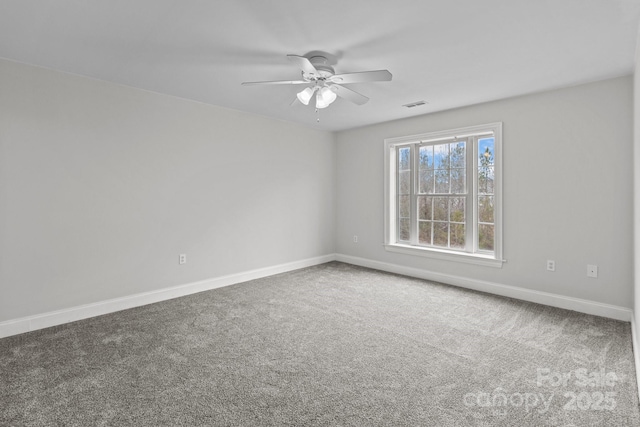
(414, 104)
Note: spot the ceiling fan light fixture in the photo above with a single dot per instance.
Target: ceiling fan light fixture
(325, 97)
(321, 81)
(305, 95)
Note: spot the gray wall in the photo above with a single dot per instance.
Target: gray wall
(568, 190)
(102, 186)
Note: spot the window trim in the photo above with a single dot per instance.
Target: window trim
(390, 219)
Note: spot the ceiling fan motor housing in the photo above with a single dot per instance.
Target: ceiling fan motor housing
(321, 64)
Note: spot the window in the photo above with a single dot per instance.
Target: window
(443, 194)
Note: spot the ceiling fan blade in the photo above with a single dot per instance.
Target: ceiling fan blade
(303, 63)
(277, 82)
(349, 94)
(363, 76)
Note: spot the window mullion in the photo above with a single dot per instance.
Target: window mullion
(396, 188)
(470, 207)
(474, 196)
(414, 161)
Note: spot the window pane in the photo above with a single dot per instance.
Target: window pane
(442, 181)
(441, 209)
(404, 154)
(485, 180)
(485, 237)
(425, 208)
(457, 236)
(426, 181)
(458, 181)
(404, 182)
(424, 238)
(458, 155)
(485, 209)
(441, 234)
(441, 156)
(404, 206)
(456, 209)
(426, 157)
(405, 226)
(486, 149)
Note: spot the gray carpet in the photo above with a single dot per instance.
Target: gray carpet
(332, 345)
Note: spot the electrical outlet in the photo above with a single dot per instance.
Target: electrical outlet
(182, 259)
(592, 270)
(355, 239)
(551, 265)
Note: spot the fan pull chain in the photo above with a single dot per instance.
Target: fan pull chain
(318, 115)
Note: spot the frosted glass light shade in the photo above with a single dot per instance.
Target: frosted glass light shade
(325, 97)
(305, 95)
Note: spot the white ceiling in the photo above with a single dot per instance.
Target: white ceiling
(448, 53)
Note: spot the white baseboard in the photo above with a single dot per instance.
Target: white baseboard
(45, 320)
(636, 349)
(546, 298)
(59, 317)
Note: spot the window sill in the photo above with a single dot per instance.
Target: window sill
(477, 259)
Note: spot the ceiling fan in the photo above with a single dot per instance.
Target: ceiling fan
(324, 83)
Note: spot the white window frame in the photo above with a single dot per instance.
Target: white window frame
(474, 256)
